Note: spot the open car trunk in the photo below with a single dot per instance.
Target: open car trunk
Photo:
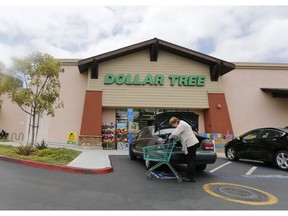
(162, 120)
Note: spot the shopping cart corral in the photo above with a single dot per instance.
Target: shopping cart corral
(161, 154)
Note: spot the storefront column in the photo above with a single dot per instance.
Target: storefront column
(217, 119)
(90, 133)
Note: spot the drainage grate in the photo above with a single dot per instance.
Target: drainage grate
(240, 193)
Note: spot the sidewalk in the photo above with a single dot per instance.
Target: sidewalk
(95, 159)
(90, 158)
(90, 161)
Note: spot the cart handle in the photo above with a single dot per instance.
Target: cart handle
(174, 139)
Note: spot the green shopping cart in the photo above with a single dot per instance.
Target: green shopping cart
(161, 154)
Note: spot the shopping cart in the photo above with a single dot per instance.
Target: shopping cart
(161, 154)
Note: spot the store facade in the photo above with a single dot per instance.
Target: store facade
(108, 95)
(149, 78)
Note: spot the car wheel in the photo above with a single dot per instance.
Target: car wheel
(201, 167)
(131, 154)
(149, 164)
(231, 154)
(281, 159)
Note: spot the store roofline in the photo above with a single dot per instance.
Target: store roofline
(238, 65)
(217, 66)
(69, 62)
(261, 65)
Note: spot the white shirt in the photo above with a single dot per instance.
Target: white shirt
(186, 135)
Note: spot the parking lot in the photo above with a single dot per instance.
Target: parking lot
(228, 185)
(224, 185)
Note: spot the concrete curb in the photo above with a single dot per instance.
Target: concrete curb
(69, 169)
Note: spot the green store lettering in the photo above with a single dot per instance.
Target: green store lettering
(187, 80)
(155, 80)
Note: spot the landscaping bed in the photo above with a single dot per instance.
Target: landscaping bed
(57, 156)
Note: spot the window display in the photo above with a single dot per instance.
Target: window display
(122, 139)
(108, 135)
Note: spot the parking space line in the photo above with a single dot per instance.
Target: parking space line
(219, 167)
(251, 170)
(267, 176)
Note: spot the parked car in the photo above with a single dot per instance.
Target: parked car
(158, 134)
(269, 145)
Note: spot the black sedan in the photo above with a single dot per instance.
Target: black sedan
(269, 145)
(157, 135)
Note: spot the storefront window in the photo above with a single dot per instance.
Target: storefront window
(141, 118)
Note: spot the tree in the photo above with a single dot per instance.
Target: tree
(2, 68)
(34, 85)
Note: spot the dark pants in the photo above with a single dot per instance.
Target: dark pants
(191, 161)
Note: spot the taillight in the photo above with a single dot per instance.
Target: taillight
(208, 146)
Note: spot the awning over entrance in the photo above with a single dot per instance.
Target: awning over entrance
(277, 92)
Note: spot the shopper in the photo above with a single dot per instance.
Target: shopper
(188, 140)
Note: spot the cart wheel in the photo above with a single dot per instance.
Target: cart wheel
(179, 180)
(149, 176)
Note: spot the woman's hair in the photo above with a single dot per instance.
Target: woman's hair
(174, 120)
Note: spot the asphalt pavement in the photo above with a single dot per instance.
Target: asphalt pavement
(90, 161)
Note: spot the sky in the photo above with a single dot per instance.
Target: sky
(79, 30)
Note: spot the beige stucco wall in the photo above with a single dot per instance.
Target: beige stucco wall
(67, 119)
(250, 107)
(150, 96)
(12, 119)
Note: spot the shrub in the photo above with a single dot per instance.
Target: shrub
(24, 150)
(42, 145)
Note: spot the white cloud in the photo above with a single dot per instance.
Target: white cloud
(252, 34)
(262, 37)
